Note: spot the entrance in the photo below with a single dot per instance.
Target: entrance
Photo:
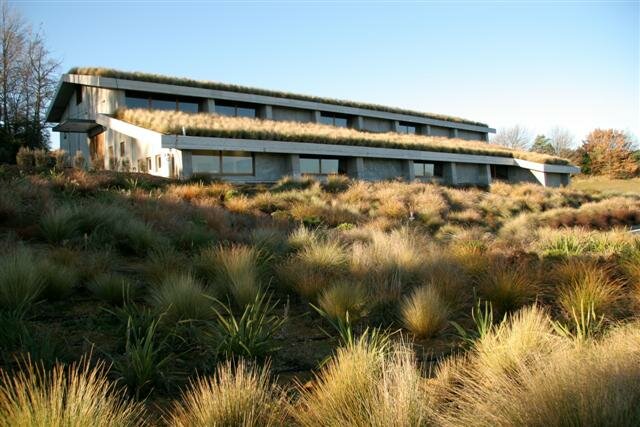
(96, 150)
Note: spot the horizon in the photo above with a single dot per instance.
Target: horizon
(539, 65)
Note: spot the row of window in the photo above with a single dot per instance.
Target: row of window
(222, 162)
(161, 102)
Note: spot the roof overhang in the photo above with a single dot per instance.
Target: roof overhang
(78, 126)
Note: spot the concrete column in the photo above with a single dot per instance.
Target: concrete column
(266, 112)
(120, 99)
(209, 106)
(294, 166)
(485, 136)
(485, 175)
(187, 164)
(409, 171)
(426, 130)
(395, 126)
(355, 167)
(454, 133)
(357, 123)
(449, 173)
(315, 116)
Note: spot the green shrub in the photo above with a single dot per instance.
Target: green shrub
(238, 394)
(20, 281)
(76, 395)
(58, 280)
(251, 334)
(112, 288)
(181, 297)
(424, 312)
(60, 225)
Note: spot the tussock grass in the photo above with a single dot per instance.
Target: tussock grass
(59, 226)
(344, 300)
(509, 287)
(78, 395)
(587, 283)
(238, 394)
(112, 288)
(424, 312)
(204, 124)
(156, 78)
(361, 386)
(181, 297)
(58, 280)
(237, 270)
(20, 283)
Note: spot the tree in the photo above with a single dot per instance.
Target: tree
(27, 84)
(608, 152)
(562, 141)
(542, 144)
(515, 137)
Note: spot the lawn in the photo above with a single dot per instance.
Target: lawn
(605, 184)
(127, 299)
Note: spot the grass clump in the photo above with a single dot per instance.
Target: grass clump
(112, 288)
(508, 287)
(238, 272)
(342, 300)
(78, 395)
(424, 312)
(181, 297)
(20, 283)
(60, 225)
(58, 280)
(238, 394)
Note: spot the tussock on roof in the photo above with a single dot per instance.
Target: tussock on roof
(204, 124)
(180, 81)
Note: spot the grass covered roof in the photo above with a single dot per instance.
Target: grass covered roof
(213, 125)
(180, 81)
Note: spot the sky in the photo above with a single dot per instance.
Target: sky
(538, 64)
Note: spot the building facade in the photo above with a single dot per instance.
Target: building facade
(85, 105)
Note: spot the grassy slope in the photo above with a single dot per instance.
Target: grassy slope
(605, 184)
(203, 124)
(155, 78)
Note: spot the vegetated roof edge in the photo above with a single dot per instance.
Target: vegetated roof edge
(359, 138)
(183, 81)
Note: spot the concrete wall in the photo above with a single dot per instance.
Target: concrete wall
(380, 169)
(291, 114)
(470, 136)
(472, 174)
(376, 125)
(440, 131)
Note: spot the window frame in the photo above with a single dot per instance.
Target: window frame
(236, 107)
(333, 117)
(438, 169)
(340, 160)
(149, 164)
(219, 154)
(149, 97)
(158, 162)
(406, 126)
(123, 150)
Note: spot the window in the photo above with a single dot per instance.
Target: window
(122, 149)
(222, 162)
(407, 128)
(427, 169)
(334, 120)
(158, 162)
(161, 102)
(78, 95)
(148, 164)
(320, 166)
(233, 109)
(499, 172)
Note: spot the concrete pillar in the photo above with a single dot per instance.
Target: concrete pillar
(449, 173)
(454, 133)
(209, 106)
(266, 112)
(395, 126)
(426, 130)
(315, 116)
(485, 136)
(409, 171)
(294, 166)
(120, 99)
(485, 175)
(187, 164)
(355, 167)
(357, 123)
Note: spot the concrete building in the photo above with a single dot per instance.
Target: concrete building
(86, 103)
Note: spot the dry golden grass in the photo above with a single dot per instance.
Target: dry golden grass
(424, 312)
(344, 299)
(156, 78)
(204, 124)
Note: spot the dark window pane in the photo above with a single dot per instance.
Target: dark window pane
(237, 163)
(411, 129)
(136, 102)
(246, 112)
(162, 104)
(437, 169)
(188, 107)
(418, 169)
(226, 110)
(205, 162)
(311, 166)
(428, 169)
(329, 166)
(326, 120)
(340, 122)
(402, 129)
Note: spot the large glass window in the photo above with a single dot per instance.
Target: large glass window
(161, 102)
(334, 120)
(319, 166)
(136, 102)
(427, 169)
(188, 107)
(235, 110)
(237, 162)
(205, 162)
(499, 172)
(407, 128)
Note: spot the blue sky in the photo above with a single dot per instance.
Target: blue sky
(539, 64)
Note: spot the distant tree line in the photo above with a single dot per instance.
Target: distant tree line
(604, 151)
(28, 76)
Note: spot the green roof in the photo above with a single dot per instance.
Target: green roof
(180, 81)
